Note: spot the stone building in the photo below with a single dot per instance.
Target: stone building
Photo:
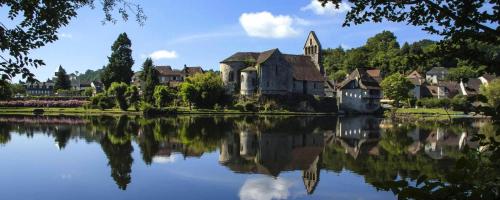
(272, 72)
(359, 93)
(40, 88)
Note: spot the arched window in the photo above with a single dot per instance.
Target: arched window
(231, 76)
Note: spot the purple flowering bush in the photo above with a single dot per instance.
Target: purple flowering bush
(44, 103)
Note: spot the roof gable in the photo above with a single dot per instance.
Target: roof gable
(312, 35)
(365, 80)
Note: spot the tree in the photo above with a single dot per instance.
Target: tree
(457, 21)
(36, 23)
(149, 79)
(163, 95)
(88, 92)
(62, 81)
(188, 93)
(133, 96)
(119, 68)
(492, 93)
(5, 90)
(339, 76)
(464, 71)
(396, 87)
(119, 90)
(209, 89)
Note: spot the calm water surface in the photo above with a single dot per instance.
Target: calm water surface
(221, 157)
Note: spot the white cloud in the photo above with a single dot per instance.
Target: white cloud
(266, 25)
(329, 9)
(164, 159)
(163, 54)
(265, 188)
(65, 35)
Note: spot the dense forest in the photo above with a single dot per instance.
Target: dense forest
(383, 52)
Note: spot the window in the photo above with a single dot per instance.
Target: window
(267, 83)
(276, 70)
(231, 76)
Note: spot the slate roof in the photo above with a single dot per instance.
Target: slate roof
(473, 86)
(437, 70)
(303, 68)
(375, 74)
(266, 55)
(192, 70)
(365, 80)
(168, 71)
(242, 56)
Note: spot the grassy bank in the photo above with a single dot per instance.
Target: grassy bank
(428, 114)
(180, 111)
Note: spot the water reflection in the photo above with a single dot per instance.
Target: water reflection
(374, 148)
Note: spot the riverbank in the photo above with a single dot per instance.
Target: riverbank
(430, 114)
(180, 111)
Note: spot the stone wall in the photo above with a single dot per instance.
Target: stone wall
(313, 87)
(248, 82)
(275, 76)
(231, 68)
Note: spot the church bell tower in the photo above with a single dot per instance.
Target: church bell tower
(312, 48)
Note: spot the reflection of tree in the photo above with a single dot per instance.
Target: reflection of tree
(62, 136)
(395, 141)
(120, 160)
(118, 149)
(5, 133)
(147, 142)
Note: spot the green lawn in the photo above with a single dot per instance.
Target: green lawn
(429, 111)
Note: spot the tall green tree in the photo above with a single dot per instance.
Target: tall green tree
(119, 68)
(149, 79)
(33, 24)
(464, 71)
(396, 87)
(62, 81)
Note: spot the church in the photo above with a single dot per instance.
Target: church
(275, 73)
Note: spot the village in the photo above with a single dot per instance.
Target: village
(268, 80)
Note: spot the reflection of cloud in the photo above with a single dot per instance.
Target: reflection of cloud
(164, 159)
(66, 176)
(265, 188)
(266, 25)
(328, 9)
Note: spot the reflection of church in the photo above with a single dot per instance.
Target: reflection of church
(271, 154)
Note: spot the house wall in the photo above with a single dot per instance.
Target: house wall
(275, 76)
(351, 100)
(415, 92)
(233, 68)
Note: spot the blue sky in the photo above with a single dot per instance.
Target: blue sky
(202, 33)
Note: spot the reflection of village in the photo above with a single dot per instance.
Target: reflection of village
(253, 151)
(265, 145)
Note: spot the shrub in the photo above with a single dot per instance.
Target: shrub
(270, 105)
(102, 101)
(150, 111)
(163, 95)
(133, 96)
(434, 103)
(88, 92)
(119, 90)
(217, 107)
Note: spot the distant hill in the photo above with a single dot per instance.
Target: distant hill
(91, 75)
